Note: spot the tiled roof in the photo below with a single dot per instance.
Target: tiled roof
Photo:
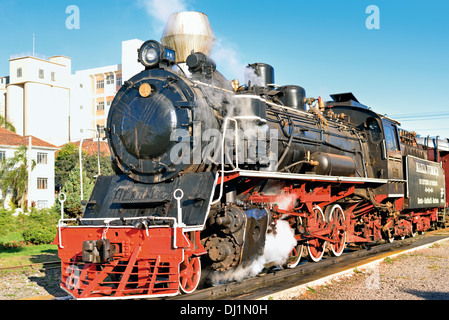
(9, 138)
(90, 146)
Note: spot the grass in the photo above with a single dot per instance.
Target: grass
(24, 254)
(28, 255)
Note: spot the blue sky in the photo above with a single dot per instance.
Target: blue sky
(401, 69)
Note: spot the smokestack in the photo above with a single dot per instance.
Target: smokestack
(186, 32)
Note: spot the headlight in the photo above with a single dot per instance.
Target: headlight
(150, 53)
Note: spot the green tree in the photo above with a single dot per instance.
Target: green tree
(90, 164)
(72, 190)
(14, 175)
(6, 124)
(68, 158)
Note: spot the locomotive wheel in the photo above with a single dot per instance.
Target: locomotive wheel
(336, 218)
(190, 274)
(295, 255)
(316, 246)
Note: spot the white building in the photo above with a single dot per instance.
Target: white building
(130, 64)
(41, 96)
(3, 82)
(38, 97)
(92, 93)
(41, 193)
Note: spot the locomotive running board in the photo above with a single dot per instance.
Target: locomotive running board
(314, 177)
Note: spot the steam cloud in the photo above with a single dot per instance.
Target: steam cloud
(277, 248)
(227, 58)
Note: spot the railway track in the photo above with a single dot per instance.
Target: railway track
(274, 281)
(46, 265)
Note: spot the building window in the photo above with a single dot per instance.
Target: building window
(2, 155)
(19, 72)
(110, 79)
(101, 131)
(42, 183)
(81, 107)
(41, 204)
(100, 106)
(41, 73)
(100, 84)
(119, 81)
(41, 158)
(81, 85)
(53, 76)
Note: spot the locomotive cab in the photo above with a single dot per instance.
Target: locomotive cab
(383, 156)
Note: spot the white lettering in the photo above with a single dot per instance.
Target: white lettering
(197, 310)
(372, 21)
(73, 21)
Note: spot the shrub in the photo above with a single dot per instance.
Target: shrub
(35, 227)
(13, 240)
(40, 226)
(12, 245)
(72, 206)
(7, 222)
(37, 234)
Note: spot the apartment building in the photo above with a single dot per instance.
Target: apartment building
(43, 98)
(3, 82)
(38, 97)
(94, 90)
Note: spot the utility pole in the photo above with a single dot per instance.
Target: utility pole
(97, 135)
(98, 149)
(29, 164)
(81, 168)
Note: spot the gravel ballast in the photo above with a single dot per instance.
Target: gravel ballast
(422, 274)
(30, 283)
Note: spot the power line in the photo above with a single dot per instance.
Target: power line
(426, 115)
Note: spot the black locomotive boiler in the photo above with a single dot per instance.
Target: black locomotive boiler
(209, 171)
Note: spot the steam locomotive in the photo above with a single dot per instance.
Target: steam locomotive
(207, 170)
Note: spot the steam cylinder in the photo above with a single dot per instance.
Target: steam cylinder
(250, 105)
(293, 96)
(264, 72)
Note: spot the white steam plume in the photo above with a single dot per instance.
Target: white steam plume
(277, 248)
(226, 57)
(160, 10)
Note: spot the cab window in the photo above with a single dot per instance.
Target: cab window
(391, 137)
(374, 130)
